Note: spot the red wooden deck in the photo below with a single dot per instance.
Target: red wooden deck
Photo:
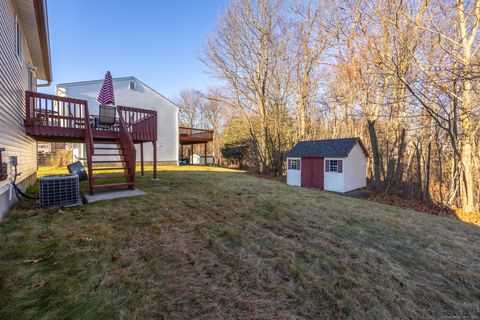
(51, 118)
(54, 118)
(194, 136)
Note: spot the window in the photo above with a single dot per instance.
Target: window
(293, 164)
(132, 85)
(334, 166)
(18, 38)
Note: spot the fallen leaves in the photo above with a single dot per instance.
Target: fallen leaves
(85, 239)
(407, 203)
(473, 218)
(31, 213)
(39, 284)
(38, 259)
(45, 237)
(418, 205)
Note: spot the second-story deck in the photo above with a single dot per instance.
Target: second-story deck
(190, 136)
(54, 118)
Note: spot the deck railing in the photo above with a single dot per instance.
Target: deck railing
(195, 134)
(49, 115)
(89, 145)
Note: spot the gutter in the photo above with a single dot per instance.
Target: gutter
(42, 25)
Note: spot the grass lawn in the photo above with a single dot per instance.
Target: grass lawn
(216, 244)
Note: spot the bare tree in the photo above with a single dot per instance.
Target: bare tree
(191, 108)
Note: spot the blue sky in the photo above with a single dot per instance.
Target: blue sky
(157, 41)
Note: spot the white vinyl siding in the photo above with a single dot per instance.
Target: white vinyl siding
(334, 181)
(13, 83)
(355, 169)
(294, 177)
(142, 97)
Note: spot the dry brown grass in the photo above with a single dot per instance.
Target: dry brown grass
(215, 245)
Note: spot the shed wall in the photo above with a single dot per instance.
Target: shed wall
(355, 169)
(334, 181)
(294, 177)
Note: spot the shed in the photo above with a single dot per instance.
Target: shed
(338, 165)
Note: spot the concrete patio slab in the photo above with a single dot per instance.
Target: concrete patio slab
(111, 195)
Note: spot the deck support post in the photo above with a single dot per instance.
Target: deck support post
(154, 160)
(205, 153)
(141, 160)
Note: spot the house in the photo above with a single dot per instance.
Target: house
(142, 120)
(338, 165)
(129, 91)
(24, 59)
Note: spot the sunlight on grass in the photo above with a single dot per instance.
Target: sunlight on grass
(43, 171)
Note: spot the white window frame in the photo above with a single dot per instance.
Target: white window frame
(18, 39)
(132, 85)
(333, 167)
(297, 163)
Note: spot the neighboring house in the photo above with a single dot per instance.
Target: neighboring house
(132, 92)
(338, 165)
(24, 58)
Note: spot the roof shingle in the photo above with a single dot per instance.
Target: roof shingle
(325, 148)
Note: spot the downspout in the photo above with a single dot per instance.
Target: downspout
(46, 84)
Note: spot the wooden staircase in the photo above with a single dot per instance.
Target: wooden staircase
(110, 157)
(52, 118)
(106, 155)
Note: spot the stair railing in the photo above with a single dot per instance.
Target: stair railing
(128, 147)
(141, 123)
(89, 146)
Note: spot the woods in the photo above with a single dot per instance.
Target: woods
(401, 75)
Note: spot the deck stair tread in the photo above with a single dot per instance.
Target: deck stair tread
(113, 185)
(110, 176)
(107, 161)
(107, 168)
(106, 148)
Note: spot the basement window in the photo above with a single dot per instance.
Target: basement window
(293, 164)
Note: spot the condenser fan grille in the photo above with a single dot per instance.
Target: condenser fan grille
(60, 191)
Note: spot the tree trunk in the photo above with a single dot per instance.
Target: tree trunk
(426, 190)
(418, 153)
(377, 158)
(466, 125)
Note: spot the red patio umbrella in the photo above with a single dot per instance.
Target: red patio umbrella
(106, 93)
